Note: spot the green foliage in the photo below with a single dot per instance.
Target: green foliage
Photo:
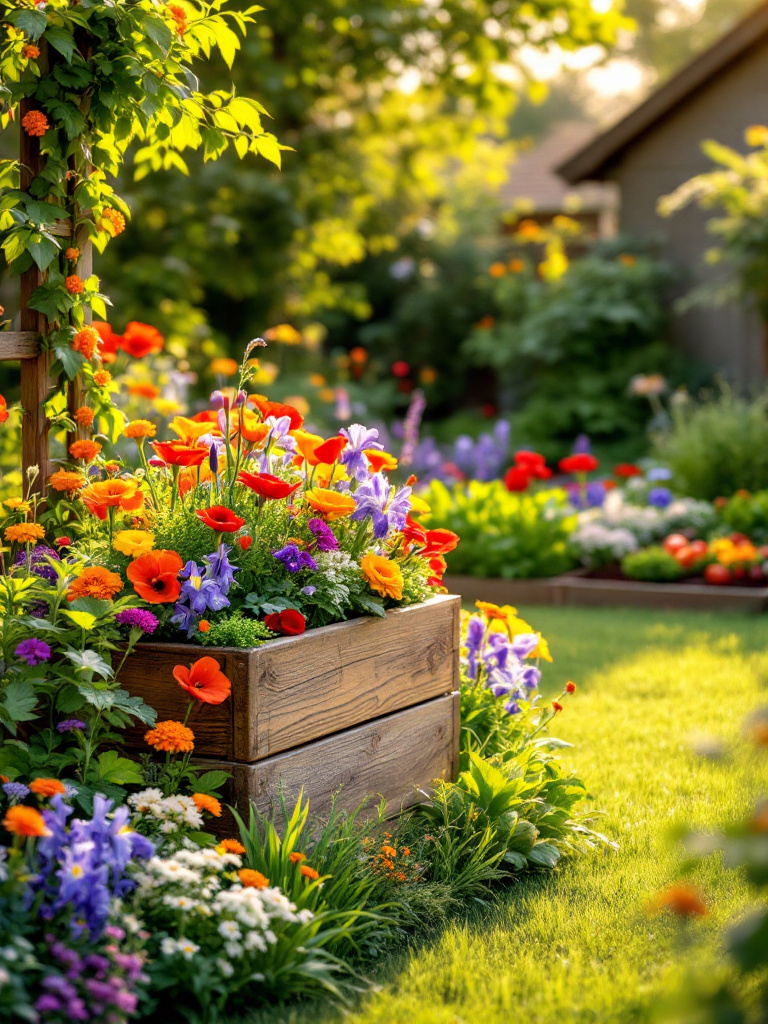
(235, 631)
(718, 445)
(512, 535)
(567, 346)
(653, 564)
(747, 513)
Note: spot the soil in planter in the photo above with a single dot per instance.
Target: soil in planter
(613, 572)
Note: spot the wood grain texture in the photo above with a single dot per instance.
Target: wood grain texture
(297, 689)
(499, 591)
(19, 345)
(393, 758)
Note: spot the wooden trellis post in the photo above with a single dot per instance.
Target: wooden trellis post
(25, 345)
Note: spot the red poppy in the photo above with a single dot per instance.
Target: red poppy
(329, 451)
(266, 485)
(141, 340)
(220, 518)
(627, 469)
(204, 681)
(177, 453)
(277, 409)
(245, 541)
(155, 576)
(110, 342)
(440, 542)
(582, 462)
(3, 410)
(288, 622)
(533, 464)
(400, 368)
(438, 565)
(206, 416)
(413, 533)
(516, 479)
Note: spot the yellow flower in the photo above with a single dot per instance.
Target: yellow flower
(756, 135)
(16, 503)
(383, 576)
(265, 373)
(167, 406)
(330, 504)
(191, 430)
(133, 542)
(494, 611)
(285, 334)
(223, 365)
(419, 506)
(139, 429)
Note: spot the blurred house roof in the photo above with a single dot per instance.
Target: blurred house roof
(593, 159)
(534, 177)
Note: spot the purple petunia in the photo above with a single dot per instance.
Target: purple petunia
(70, 725)
(34, 652)
(137, 618)
(325, 538)
(38, 561)
(295, 560)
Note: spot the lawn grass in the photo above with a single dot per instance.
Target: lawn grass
(577, 946)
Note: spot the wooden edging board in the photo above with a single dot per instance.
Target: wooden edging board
(292, 691)
(574, 589)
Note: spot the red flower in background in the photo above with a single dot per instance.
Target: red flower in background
(177, 453)
(516, 479)
(400, 368)
(110, 342)
(277, 409)
(141, 340)
(440, 542)
(220, 518)
(582, 462)
(438, 565)
(288, 622)
(3, 410)
(626, 470)
(266, 485)
(534, 464)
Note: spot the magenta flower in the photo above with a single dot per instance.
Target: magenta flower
(34, 652)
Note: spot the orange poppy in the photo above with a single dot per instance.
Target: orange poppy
(110, 342)
(250, 426)
(331, 504)
(204, 681)
(252, 879)
(4, 414)
(329, 451)
(141, 340)
(380, 460)
(46, 787)
(277, 409)
(189, 430)
(155, 576)
(178, 453)
(220, 518)
(114, 493)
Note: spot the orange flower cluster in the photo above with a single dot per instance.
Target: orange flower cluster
(72, 254)
(86, 341)
(205, 802)
(682, 899)
(24, 533)
(180, 18)
(95, 581)
(74, 284)
(143, 389)
(230, 846)
(86, 450)
(252, 879)
(21, 820)
(140, 428)
(141, 340)
(66, 480)
(46, 787)
(112, 221)
(309, 872)
(84, 416)
(395, 864)
(30, 52)
(102, 378)
(172, 737)
(35, 123)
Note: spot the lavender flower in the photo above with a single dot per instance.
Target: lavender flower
(15, 790)
(279, 436)
(660, 497)
(386, 507)
(524, 643)
(474, 641)
(325, 538)
(512, 707)
(658, 473)
(70, 725)
(594, 492)
(34, 652)
(295, 560)
(138, 618)
(308, 591)
(38, 561)
(411, 425)
(582, 445)
(353, 456)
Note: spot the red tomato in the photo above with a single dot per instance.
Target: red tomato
(739, 538)
(739, 572)
(686, 556)
(674, 542)
(717, 574)
(700, 547)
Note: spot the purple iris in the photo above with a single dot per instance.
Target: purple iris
(203, 589)
(660, 497)
(38, 561)
(295, 560)
(34, 652)
(280, 433)
(594, 491)
(70, 725)
(512, 707)
(138, 618)
(353, 456)
(386, 507)
(325, 538)
(582, 445)
(524, 643)
(474, 641)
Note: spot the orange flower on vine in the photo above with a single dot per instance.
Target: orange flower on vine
(35, 123)
(74, 284)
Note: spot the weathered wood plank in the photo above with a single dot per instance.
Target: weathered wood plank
(392, 758)
(19, 345)
(500, 591)
(295, 690)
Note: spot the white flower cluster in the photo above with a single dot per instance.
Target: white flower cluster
(593, 538)
(170, 813)
(338, 576)
(647, 523)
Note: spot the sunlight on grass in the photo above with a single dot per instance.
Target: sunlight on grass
(578, 946)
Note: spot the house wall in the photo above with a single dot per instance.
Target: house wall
(729, 338)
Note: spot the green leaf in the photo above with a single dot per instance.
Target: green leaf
(61, 41)
(159, 32)
(32, 23)
(42, 250)
(209, 782)
(19, 702)
(92, 605)
(72, 361)
(90, 661)
(82, 619)
(121, 771)
(119, 700)
(69, 699)
(544, 855)
(370, 604)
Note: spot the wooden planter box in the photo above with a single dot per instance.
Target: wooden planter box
(576, 589)
(366, 703)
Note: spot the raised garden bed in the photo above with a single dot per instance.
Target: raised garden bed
(366, 704)
(578, 588)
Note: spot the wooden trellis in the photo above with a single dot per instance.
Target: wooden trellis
(25, 345)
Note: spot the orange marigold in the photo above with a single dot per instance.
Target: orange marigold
(30, 51)
(296, 857)
(230, 846)
(173, 737)
(140, 428)
(84, 416)
(73, 253)
(101, 378)
(204, 802)
(24, 821)
(24, 533)
(66, 480)
(252, 879)
(143, 389)
(35, 123)
(682, 899)
(95, 581)
(47, 787)
(309, 872)
(87, 450)
(86, 341)
(74, 284)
